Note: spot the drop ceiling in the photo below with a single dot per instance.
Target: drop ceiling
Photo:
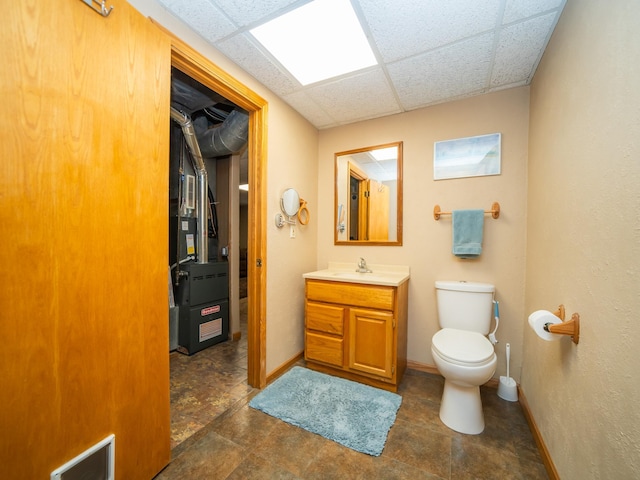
(428, 51)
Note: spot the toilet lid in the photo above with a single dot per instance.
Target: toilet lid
(462, 346)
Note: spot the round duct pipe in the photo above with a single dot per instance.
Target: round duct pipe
(228, 138)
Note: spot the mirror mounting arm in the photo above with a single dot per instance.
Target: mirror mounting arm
(281, 220)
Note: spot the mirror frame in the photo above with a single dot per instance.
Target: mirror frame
(398, 241)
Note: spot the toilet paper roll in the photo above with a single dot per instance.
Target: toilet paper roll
(537, 321)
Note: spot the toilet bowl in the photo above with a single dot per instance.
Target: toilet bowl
(462, 353)
(466, 360)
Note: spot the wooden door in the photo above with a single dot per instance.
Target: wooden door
(378, 211)
(83, 186)
(371, 341)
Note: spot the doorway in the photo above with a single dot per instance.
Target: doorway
(200, 69)
(368, 206)
(187, 60)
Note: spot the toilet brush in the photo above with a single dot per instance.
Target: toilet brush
(507, 388)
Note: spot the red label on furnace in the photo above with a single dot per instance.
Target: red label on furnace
(209, 310)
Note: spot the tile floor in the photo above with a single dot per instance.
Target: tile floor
(215, 435)
(207, 383)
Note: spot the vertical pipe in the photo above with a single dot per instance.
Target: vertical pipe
(202, 185)
(180, 202)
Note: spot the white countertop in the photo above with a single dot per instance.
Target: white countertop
(392, 275)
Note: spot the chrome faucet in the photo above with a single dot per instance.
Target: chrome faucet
(362, 266)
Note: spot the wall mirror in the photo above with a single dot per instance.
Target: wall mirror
(368, 196)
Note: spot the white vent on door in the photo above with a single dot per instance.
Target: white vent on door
(96, 463)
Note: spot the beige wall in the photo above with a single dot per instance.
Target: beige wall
(427, 243)
(584, 240)
(291, 162)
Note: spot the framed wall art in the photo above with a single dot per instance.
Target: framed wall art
(467, 157)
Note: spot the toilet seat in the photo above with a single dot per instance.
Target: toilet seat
(462, 347)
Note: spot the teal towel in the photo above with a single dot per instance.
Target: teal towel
(467, 232)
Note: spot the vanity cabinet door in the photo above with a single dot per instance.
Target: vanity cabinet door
(371, 341)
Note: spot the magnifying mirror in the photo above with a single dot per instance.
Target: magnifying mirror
(290, 202)
(290, 205)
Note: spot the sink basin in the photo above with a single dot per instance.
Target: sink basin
(361, 277)
(392, 275)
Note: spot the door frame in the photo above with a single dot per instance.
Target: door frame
(187, 60)
(362, 222)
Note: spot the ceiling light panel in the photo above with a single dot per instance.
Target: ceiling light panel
(390, 153)
(320, 40)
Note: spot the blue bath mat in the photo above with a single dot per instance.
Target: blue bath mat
(349, 413)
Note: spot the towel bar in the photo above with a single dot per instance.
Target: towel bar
(495, 211)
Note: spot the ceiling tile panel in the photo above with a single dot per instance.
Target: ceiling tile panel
(202, 17)
(458, 70)
(404, 29)
(358, 97)
(431, 51)
(519, 50)
(244, 12)
(301, 102)
(242, 50)
(516, 10)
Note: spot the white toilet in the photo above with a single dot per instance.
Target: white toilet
(461, 351)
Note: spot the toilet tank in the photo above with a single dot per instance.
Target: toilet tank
(465, 305)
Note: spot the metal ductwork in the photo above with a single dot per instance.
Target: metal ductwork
(229, 137)
(184, 121)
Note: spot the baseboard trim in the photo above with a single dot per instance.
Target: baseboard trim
(422, 367)
(284, 367)
(535, 431)
(537, 436)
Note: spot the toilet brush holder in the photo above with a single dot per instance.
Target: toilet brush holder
(507, 388)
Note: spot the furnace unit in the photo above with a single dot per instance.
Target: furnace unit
(203, 297)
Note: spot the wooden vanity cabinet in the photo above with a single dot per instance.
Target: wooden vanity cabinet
(357, 331)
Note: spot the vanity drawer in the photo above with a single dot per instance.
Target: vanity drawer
(323, 348)
(325, 318)
(371, 296)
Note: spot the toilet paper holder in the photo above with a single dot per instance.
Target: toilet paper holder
(570, 327)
